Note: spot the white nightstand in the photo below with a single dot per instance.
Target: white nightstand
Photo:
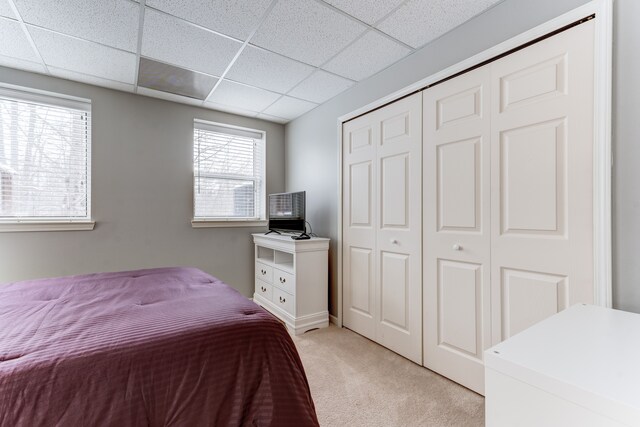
(291, 280)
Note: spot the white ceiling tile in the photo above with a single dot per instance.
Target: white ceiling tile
(307, 31)
(21, 64)
(289, 108)
(234, 18)
(14, 41)
(177, 42)
(272, 118)
(267, 70)
(85, 57)
(369, 11)
(110, 22)
(367, 56)
(240, 96)
(419, 22)
(230, 109)
(92, 80)
(5, 9)
(321, 86)
(168, 96)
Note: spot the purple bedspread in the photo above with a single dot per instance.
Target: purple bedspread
(160, 347)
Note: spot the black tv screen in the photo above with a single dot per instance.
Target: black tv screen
(286, 211)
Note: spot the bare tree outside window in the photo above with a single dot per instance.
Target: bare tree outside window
(44, 161)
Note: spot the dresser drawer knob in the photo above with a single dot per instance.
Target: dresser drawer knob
(263, 272)
(283, 280)
(283, 300)
(263, 289)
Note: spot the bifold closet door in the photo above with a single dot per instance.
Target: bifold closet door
(542, 180)
(457, 312)
(382, 226)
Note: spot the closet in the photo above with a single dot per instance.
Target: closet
(382, 231)
(468, 206)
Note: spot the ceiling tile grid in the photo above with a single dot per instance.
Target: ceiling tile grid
(307, 31)
(15, 43)
(367, 56)
(234, 18)
(242, 96)
(271, 59)
(320, 87)
(110, 22)
(5, 9)
(268, 70)
(418, 22)
(83, 56)
(180, 43)
(289, 108)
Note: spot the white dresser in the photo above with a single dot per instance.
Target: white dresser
(580, 367)
(292, 280)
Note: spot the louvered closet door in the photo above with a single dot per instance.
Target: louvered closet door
(456, 175)
(542, 180)
(382, 226)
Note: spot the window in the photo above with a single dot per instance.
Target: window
(45, 144)
(229, 171)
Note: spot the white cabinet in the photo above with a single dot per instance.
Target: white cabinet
(576, 368)
(291, 280)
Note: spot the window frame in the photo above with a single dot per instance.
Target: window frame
(24, 94)
(208, 222)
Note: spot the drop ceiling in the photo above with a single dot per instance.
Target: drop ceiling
(271, 59)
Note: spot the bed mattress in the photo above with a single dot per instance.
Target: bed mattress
(159, 347)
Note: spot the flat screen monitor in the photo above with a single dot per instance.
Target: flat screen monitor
(287, 212)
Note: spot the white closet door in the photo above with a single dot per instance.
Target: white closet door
(457, 326)
(382, 226)
(360, 139)
(399, 243)
(542, 180)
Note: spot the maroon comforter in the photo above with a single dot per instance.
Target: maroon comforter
(160, 347)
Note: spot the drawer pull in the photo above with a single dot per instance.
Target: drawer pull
(283, 300)
(263, 289)
(283, 280)
(263, 272)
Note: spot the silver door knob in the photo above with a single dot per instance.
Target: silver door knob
(457, 247)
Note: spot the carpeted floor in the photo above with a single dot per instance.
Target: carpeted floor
(356, 382)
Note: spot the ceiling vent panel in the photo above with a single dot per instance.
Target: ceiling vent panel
(176, 80)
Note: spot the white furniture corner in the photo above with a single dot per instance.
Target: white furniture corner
(576, 368)
(291, 280)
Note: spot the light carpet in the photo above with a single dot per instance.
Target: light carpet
(356, 382)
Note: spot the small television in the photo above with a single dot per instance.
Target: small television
(287, 213)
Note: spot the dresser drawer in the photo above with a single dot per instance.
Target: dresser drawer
(285, 281)
(284, 300)
(264, 289)
(264, 272)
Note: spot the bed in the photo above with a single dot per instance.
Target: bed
(159, 347)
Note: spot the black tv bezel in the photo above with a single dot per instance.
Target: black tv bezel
(295, 225)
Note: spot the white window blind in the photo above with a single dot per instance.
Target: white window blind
(45, 144)
(228, 172)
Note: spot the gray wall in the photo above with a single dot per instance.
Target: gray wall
(311, 140)
(142, 189)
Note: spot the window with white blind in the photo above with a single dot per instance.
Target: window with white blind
(229, 173)
(45, 159)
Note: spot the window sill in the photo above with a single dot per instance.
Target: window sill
(16, 226)
(212, 223)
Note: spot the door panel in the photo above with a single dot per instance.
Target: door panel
(399, 236)
(529, 297)
(456, 207)
(542, 180)
(359, 219)
(382, 226)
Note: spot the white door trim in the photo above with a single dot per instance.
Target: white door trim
(602, 157)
